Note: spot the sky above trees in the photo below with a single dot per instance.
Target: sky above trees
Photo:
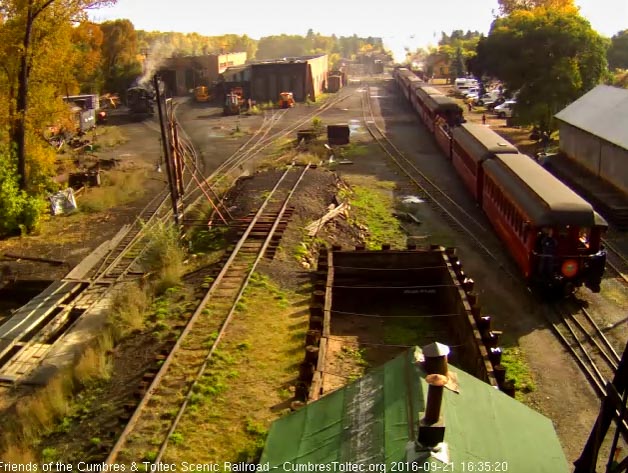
(400, 23)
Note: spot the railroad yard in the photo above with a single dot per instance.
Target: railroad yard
(212, 361)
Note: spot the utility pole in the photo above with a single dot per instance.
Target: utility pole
(168, 158)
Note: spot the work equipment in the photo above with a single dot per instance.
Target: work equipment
(286, 100)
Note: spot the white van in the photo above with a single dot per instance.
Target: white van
(505, 110)
(463, 84)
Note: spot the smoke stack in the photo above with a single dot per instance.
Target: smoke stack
(432, 425)
(436, 383)
(436, 358)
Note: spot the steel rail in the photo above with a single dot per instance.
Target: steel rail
(399, 154)
(122, 439)
(226, 322)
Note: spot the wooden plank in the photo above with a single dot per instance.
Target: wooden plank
(80, 270)
(27, 317)
(315, 387)
(322, 353)
(328, 294)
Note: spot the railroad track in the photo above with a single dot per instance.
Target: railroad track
(586, 342)
(616, 260)
(457, 217)
(259, 142)
(172, 387)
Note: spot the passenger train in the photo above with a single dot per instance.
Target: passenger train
(554, 235)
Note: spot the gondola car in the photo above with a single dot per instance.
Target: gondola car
(472, 144)
(552, 233)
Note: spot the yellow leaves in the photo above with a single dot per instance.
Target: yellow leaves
(508, 7)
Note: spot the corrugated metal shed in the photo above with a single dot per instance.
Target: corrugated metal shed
(371, 421)
(602, 112)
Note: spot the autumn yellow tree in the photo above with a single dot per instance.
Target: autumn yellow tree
(551, 57)
(33, 25)
(506, 7)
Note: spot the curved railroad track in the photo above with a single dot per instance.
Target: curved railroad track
(260, 141)
(173, 385)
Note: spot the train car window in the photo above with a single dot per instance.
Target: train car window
(584, 236)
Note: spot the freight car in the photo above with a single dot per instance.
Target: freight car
(552, 233)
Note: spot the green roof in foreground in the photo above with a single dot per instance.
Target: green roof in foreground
(372, 420)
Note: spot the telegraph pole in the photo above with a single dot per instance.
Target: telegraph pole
(168, 158)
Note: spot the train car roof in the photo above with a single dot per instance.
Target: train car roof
(480, 141)
(441, 103)
(431, 90)
(545, 199)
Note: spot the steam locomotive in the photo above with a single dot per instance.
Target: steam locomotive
(141, 98)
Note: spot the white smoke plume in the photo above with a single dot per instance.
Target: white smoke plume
(158, 52)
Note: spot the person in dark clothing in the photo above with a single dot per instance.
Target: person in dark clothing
(547, 246)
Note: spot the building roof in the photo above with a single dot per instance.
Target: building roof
(371, 421)
(545, 199)
(603, 112)
(287, 60)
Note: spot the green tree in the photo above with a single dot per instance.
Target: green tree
(618, 52)
(458, 69)
(271, 47)
(34, 22)
(573, 60)
(19, 212)
(120, 55)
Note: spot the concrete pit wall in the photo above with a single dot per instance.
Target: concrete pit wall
(434, 277)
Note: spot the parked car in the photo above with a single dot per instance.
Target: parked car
(488, 98)
(505, 110)
(490, 106)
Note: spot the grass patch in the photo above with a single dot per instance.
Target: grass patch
(109, 136)
(94, 364)
(517, 369)
(118, 188)
(164, 256)
(356, 355)
(203, 241)
(247, 380)
(353, 150)
(372, 206)
(128, 309)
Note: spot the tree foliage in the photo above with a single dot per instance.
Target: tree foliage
(35, 27)
(349, 47)
(46, 51)
(618, 51)
(120, 55)
(19, 212)
(456, 50)
(550, 56)
(506, 7)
